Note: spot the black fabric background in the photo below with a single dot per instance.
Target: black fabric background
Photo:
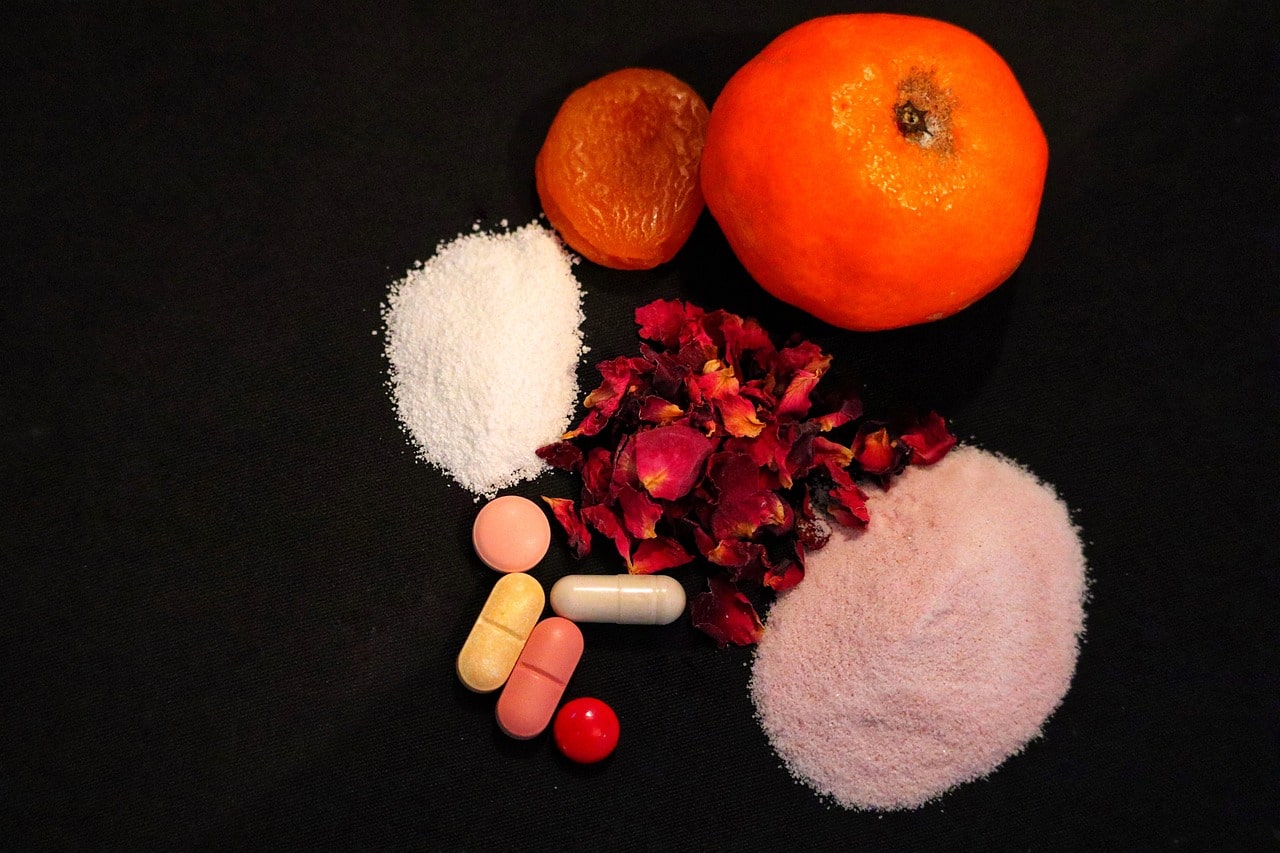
(232, 598)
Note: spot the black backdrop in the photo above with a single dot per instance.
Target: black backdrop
(232, 598)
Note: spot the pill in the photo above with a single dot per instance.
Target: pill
(621, 599)
(586, 730)
(536, 684)
(511, 534)
(499, 634)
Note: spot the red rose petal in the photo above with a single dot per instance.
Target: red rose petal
(795, 400)
(850, 410)
(725, 614)
(619, 374)
(597, 475)
(669, 459)
(655, 410)
(743, 559)
(875, 451)
(663, 321)
(929, 440)
(738, 415)
(717, 380)
(742, 506)
(561, 454)
(768, 450)
(786, 575)
(624, 466)
(811, 531)
(828, 454)
(804, 355)
(606, 521)
(668, 376)
(739, 336)
(640, 513)
(579, 536)
(733, 474)
(655, 555)
(849, 506)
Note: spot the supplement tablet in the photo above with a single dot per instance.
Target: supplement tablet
(620, 599)
(536, 684)
(586, 730)
(511, 534)
(499, 634)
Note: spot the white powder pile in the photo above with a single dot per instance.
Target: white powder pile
(483, 342)
(924, 651)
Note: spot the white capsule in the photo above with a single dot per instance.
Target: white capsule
(620, 599)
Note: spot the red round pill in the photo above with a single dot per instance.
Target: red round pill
(586, 730)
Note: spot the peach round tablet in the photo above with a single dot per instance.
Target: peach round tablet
(511, 534)
(537, 683)
(499, 634)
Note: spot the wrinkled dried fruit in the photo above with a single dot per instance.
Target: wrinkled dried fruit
(703, 448)
(618, 173)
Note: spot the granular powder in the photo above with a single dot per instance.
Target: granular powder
(924, 651)
(483, 342)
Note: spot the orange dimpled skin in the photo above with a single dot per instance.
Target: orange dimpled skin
(876, 170)
(618, 173)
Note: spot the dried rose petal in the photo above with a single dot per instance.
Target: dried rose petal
(804, 355)
(669, 459)
(597, 474)
(726, 614)
(800, 458)
(811, 531)
(738, 415)
(663, 321)
(742, 506)
(619, 373)
(656, 410)
(561, 454)
(875, 451)
(624, 466)
(744, 560)
(784, 576)
(849, 506)
(739, 336)
(929, 440)
(579, 536)
(741, 517)
(850, 410)
(716, 380)
(606, 521)
(795, 400)
(640, 513)
(669, 374)
(768, 450)
(829, 454)
(655, 555)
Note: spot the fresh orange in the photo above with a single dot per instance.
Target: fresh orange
(618, 173)
(875, 170)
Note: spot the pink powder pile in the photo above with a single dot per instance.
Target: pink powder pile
(922, 652)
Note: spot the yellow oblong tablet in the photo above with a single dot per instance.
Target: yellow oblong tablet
(500, 632)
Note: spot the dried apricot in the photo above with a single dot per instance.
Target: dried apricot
(618, 173)
(875, 170)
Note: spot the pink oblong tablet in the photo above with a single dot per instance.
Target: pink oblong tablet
(533, 691)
